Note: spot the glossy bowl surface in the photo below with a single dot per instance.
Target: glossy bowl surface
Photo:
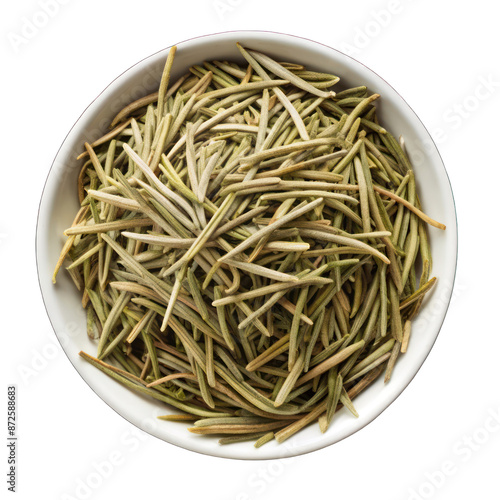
(60, 202)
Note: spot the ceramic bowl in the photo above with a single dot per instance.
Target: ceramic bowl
(60, 202)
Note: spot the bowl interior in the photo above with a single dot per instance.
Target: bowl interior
(59, 204)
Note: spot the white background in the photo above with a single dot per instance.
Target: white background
(439, 439)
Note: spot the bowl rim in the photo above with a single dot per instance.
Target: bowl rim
(282, 451)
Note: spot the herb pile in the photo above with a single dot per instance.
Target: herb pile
(247, 247)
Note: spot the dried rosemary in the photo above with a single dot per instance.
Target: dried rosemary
(250, 247)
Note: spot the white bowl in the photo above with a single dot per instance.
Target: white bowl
(60, 202)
